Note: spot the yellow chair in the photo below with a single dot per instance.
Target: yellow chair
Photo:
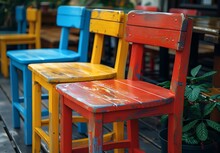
(48, 75)
(31, 38)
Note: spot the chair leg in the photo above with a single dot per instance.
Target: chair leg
(82, 127)
(95, 133)
(174, 134)
(118, 128)
(38, 43)
(66, 129)
(36, 113)
(53, 120)
(15, 95)
(132, 129)
(4, 59)
(27, 85)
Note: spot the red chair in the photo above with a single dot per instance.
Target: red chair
(147, 8)
(190, 12)
(119, 100)
(149, 49)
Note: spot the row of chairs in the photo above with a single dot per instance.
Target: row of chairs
(100, 102)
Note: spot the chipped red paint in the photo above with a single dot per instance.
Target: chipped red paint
(127, 100)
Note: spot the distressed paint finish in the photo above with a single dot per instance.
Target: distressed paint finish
(72, 72)
(50, 74)
(19, 60)
(114, 95)
(128, 100)
(170, 35)
(33, 37)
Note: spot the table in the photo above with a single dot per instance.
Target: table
(209, 29)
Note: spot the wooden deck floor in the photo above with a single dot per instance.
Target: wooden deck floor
(12, 140)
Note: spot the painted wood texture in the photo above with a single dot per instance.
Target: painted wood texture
(72, 19)
(127, 100)
(72, 72)
(19, 60)
(107, 22)
(113, 95)
(47, 75)
(170, 35)
(17, 38)
(147, 8)
(32, 38)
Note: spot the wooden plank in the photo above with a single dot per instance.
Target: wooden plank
(17, 135)
(5, 143)
(147, 135)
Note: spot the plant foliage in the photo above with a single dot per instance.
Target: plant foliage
(197, 108)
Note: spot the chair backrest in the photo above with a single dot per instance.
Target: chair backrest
(147, 8)
(191, 12)
(20, 16)
(74, 17)
(169, 30)
(34, 21)
(109, 23)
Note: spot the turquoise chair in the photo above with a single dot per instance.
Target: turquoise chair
(20, 16)
(67, 17)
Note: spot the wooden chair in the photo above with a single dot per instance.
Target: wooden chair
(68, 17)
(32, 37)
(149, 49)
(20, 16)
(121, 100)
(189, 12)
(147, 8)
(48, 75)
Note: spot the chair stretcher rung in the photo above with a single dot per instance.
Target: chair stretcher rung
(20, 108)
(83, 142)
(42, 134)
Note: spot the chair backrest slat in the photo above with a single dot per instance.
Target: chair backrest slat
(147, 8)
(74, 17)
(20, 16)
(34, 21)
(148, 28)
(162, 30)
(66, 17)
(109, 23)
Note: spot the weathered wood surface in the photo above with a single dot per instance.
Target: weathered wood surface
(149, 127)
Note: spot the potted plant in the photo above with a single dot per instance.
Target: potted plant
(199, 133)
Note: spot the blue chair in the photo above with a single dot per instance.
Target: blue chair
(67, 17)
(20, 16)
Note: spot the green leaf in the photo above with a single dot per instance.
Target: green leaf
(195, 70)
(216, 96)
(213, 125)
(208, 74)
(202, 132)
(195, 111)
(165, 84)
(193, 96)
(189, 139)
(188, 91)
(209, 108)
(164, 118)
(189, 126)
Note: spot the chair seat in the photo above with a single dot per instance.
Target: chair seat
(115, 95)
(15, 37)
(72, 72)
(42, 55)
